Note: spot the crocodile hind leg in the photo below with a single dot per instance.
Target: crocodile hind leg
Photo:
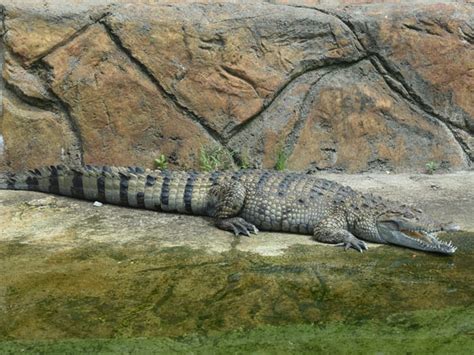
(228, 199)
(331, 230)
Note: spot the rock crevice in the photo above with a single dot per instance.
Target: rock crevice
(117, 40)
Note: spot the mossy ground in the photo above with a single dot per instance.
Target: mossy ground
(312, 298)
(421, 332)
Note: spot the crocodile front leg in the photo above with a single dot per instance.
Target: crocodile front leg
(333, 230)
(228, 199)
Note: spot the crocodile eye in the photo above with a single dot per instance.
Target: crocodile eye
(408, 214)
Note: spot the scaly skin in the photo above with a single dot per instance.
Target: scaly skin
(247, 200)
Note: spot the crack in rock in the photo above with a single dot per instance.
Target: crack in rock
(171, 97)
(396, 81)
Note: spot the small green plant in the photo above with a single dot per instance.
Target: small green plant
(215, 158)
(431, 167)
(282, 158)
(243, 159)
(161, 163)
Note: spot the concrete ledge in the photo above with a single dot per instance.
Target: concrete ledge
(60, 222)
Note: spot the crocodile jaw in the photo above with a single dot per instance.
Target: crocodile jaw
(419, 239)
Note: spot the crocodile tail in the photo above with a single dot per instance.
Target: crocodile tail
(6, 182)
(179, 191)
(32, 180)
(19, 181)
(83, 182)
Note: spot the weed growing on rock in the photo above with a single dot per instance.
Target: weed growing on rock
(282, 159)
(431, 167)
(161, 163)
(215, 158)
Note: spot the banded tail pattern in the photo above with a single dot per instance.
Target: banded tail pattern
(173, 191)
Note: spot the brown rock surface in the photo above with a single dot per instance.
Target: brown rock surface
(34, 136)
(23, 82)
(354, 89)
(430, 51)
(33, 32)
(121, 115)
(356, 123)
(225, 62)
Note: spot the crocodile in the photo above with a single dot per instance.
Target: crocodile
(245, 201)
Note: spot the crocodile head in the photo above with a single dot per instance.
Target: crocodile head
(411, 228)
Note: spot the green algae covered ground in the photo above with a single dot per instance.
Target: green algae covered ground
(101, 297)
(448, 331)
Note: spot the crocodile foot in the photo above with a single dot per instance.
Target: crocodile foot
(353, 242)
(237, 225)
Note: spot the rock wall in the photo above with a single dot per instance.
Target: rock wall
(375, 87)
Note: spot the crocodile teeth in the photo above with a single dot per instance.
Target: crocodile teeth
(435, 242)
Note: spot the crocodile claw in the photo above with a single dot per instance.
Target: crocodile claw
(355, 243)
(238, 226)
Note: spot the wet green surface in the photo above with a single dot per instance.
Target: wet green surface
(422, 332)
(310, 298)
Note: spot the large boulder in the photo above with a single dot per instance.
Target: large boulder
(358, 88)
